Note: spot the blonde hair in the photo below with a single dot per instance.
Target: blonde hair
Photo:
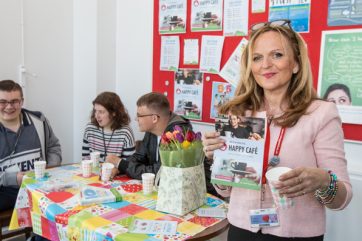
(250, 96)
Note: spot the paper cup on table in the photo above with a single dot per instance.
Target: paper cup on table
(95, 156)
(106, 171)
(39, 169)
(228, 134)
(87, 168)
(147, 182)
(273, 178)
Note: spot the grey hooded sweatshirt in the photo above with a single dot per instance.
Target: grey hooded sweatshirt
(34, 140)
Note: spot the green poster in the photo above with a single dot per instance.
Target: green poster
(340, 77)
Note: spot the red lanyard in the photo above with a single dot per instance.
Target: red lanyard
(278, 146)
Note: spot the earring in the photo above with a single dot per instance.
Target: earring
(295, 70)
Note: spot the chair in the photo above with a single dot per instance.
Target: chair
(5, 217)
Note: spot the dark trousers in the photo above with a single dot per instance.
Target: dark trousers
(8, 197)
(238, 234)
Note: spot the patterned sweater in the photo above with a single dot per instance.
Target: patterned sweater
(120, 142)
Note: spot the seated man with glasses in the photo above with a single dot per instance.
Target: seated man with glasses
(154, 117)
(25, 137)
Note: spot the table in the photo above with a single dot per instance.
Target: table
(52, 207)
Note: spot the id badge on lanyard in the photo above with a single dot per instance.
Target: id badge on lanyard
(263, 218)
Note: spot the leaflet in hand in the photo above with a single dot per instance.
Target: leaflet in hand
(240, 162)
(94, 195)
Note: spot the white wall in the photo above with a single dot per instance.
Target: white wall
(49, 64)
(10, 41)
(134, 53)
(106, 45)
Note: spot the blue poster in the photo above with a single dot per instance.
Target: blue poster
(297, 11)
(343, 13)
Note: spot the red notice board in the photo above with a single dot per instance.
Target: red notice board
(318, 23)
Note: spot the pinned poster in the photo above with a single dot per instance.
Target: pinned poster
(188, 93)
(211, 50)
(297, 11)
(191, 52)
(344, 13)
(172, 16)
(206, 15)
(340, 72)
(221, 93)
(258, 6)
(170, 53)
(232, 68)
(236, 17)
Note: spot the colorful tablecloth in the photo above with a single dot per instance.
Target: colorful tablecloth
(52, 207)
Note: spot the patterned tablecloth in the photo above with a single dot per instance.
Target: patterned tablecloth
(52, 207)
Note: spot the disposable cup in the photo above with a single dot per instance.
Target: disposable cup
(227, 133)
(106, 171)
(87, 168)
(39, 169)
(148, 180)
(273, 178)
(95, 156)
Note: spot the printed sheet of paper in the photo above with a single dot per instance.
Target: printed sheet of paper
(240, 162)
(170, 53)
(172, 16)
(191, 52)
(231, 70)
(236, 17)
(211, 50)
(188, 93)
(153, 227)
(298, 11)
(211, 212)
(206, 15)
(340, 72)
(258, 6)
(221, 93)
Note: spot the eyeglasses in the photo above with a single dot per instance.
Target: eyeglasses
(15, 103)
(140, 116)
(279, 22)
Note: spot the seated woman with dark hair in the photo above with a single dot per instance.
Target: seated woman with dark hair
(109, 132)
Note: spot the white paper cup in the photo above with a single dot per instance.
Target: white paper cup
(87, 168)
(106, 171)
(148, 180)
(273, 178)
(39, 169)
(95, 156)
(227, 133)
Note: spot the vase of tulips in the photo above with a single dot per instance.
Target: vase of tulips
(182, 177)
